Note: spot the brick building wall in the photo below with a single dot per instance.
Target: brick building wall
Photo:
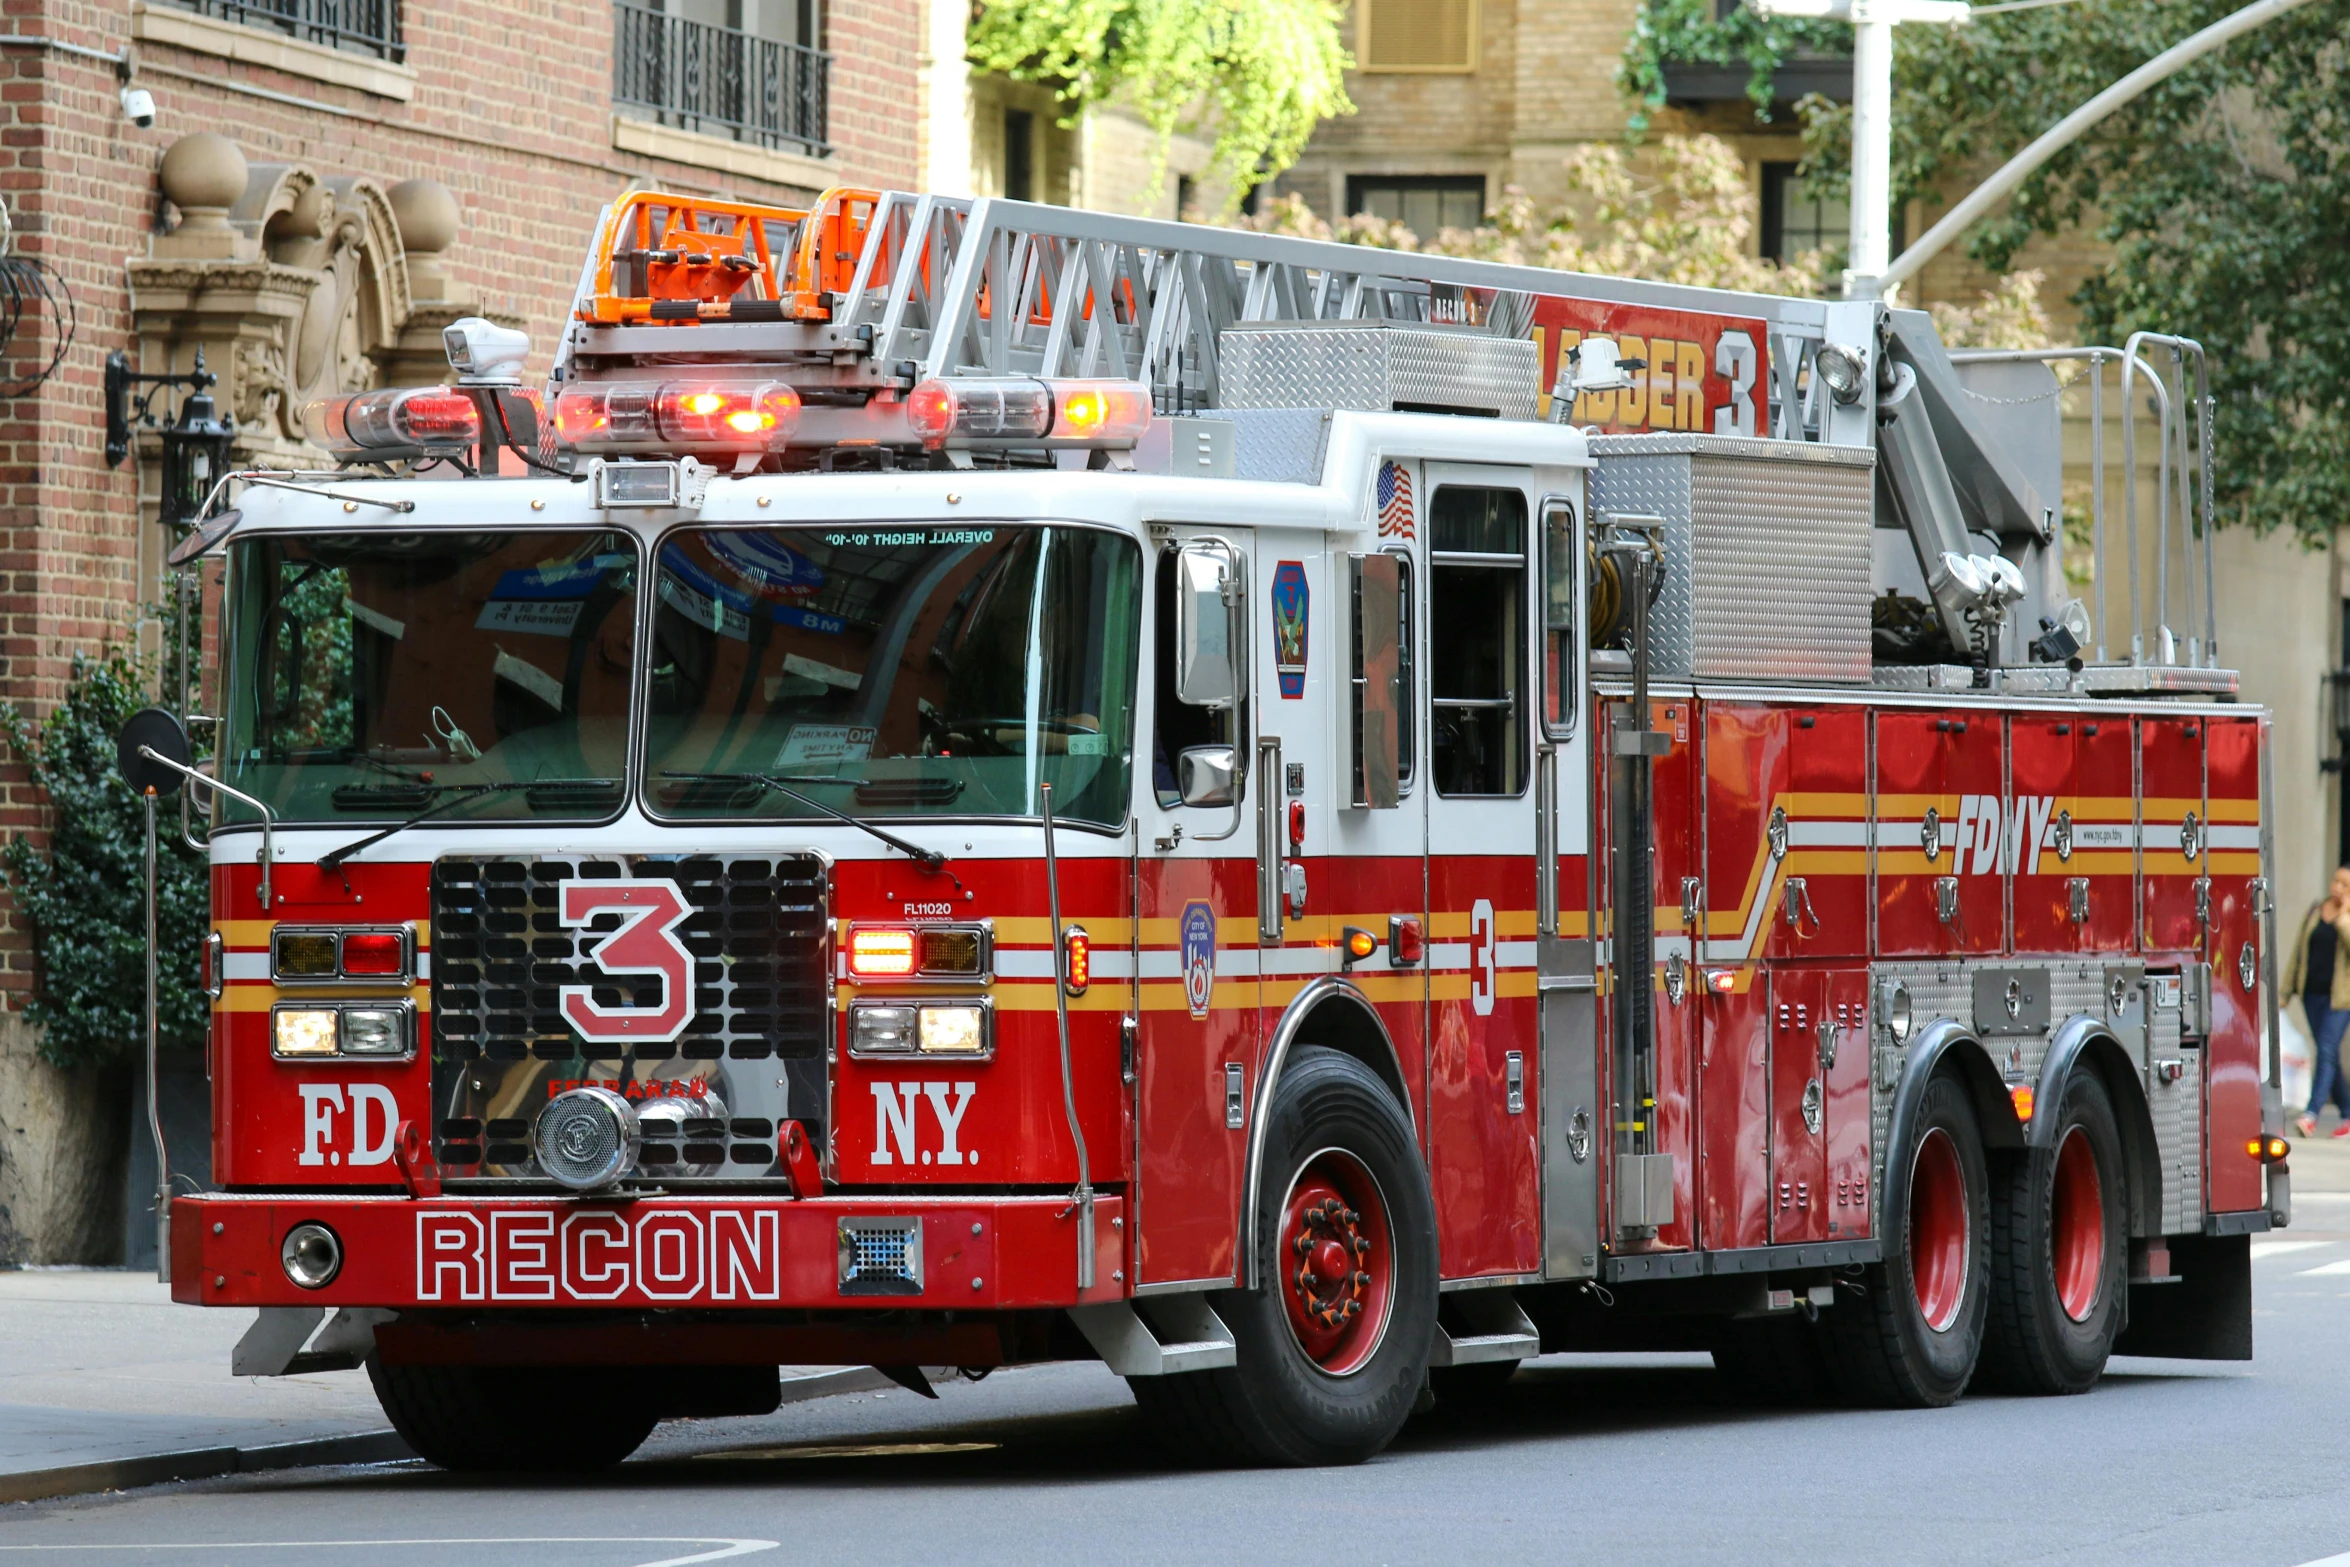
(510, 107)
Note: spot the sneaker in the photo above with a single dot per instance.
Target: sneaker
(2341, 1131)
(2307, 1125)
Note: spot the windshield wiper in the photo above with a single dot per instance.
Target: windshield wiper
(929, 859)
(456, 795)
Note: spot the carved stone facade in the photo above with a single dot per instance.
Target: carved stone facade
(297, 286)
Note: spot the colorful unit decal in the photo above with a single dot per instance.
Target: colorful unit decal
(1289, 627)
(1199, 957)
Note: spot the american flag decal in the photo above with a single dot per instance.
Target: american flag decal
(1395, 501)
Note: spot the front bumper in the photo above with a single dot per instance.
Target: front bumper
(750, 1253)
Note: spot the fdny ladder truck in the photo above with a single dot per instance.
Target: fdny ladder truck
(972, 783)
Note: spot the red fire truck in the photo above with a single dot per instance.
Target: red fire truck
(971, 784)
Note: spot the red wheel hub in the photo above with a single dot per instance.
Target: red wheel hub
(1337, 1261)
(1938, 1223)
(2076, 1221)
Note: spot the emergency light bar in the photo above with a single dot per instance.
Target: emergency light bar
(1014, 409)
(676, 415)
(414, 419)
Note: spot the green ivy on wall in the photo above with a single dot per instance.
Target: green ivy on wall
(1686, 32)
(84, 894)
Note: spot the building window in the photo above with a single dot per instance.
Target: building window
(370, 27)
(1416, 35)
(1019, 155)
(748, 70)
(1795, 221)
(1422, 203)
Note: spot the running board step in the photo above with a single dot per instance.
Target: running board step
(1501, 1331)
(1170, 1334)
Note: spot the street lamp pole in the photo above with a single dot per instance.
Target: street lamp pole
(1872, 22)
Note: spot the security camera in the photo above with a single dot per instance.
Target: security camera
(484, 353)
(138, 106)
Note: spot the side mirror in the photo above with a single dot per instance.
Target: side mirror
(204, 538)
(151, 729)
(1210, 625)
(1205, 775)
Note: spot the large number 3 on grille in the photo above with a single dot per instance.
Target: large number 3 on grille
(645, 944)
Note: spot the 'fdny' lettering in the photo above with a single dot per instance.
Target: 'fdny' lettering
(1995, 836)
(365, 1134)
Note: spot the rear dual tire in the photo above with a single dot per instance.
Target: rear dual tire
(2060, 1252)
(1910, 1336)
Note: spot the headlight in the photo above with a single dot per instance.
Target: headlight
(960, 1027)
(304, 1031)
(374, 1032)
(585, 1138)
(960, 1031)
(307, 1031)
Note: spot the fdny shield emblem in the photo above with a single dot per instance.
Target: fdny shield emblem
(1199, 957)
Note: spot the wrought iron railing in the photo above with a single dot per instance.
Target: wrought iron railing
(720, 81)
(361, 26)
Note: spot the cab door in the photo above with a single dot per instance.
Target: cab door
(1196, 1049)
(1483, 1036)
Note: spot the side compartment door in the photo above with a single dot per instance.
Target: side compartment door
(2231, 1062)
(1483, 1033)
(2095, 837)
(1196, 883)
(2050, 909)
(1746, 768)
(1940, 841)
(2171, 834)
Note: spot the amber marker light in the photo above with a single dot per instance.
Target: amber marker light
(2021, 1094)
(1077, 969)
(1721, 981)
(1357, 944)
(2268, 1150)
(879, 952)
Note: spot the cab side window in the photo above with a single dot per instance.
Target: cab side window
(1477, 640)
(1178, 725)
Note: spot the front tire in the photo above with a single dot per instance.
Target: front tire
(1910, 1336)
(1332, 1346)
(471, 1418)
(2060, 1252)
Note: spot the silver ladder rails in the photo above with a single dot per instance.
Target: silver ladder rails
(952, 286)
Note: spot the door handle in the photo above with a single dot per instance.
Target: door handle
(1269, 864)
(1546, 847)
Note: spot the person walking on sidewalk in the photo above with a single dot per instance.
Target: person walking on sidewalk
(2318, 971)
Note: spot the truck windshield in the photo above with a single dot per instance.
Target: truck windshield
(898, 670)
(379, 675)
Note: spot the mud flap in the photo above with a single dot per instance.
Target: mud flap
(2207, 1314)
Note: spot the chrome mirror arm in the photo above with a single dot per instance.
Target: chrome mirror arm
(268, 816)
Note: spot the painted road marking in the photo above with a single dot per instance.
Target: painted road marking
(725, 1547)
(2262, 1249)
(2330, 1270)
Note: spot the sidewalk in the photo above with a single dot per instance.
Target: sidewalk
(105, 1384)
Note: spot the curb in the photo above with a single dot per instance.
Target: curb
(203, 1463)
(367, 1447)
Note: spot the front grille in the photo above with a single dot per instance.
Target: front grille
(756, 1043)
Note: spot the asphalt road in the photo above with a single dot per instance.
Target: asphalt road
(1588, 1458)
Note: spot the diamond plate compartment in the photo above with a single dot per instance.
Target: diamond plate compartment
(758, 1039)
(1766, 551)
(1376, 367)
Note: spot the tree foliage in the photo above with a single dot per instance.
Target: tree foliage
(1266, 71)
(1689, 32)
(2224, 193)
(85, 893)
